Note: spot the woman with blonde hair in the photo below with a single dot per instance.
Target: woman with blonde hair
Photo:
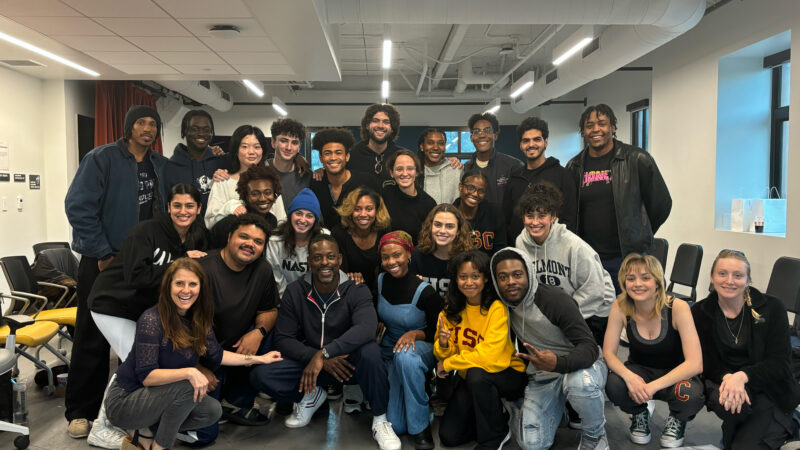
(444, 234)
(746, 352)
(665, 357)
(364, 220)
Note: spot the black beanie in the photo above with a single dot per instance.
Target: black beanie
(135, 113)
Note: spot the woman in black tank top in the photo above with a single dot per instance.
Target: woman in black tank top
(665, 356)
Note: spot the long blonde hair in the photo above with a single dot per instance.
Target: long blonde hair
(738, 255)
(653, 267)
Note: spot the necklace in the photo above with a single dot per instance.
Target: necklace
(735, 336)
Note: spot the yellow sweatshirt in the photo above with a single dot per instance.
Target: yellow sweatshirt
(480, 340)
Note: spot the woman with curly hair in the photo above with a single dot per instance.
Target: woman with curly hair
(473, 339)
(744, 335)
(485, 218)
(364, 220)
(258, 187)
(444, 234)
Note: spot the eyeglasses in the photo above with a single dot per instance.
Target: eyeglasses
(378, 164)
(471, 188)
(259, 194)
(478, 131)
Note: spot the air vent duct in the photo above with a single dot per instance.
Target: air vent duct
(203, 91)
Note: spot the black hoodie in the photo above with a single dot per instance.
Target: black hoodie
(129, 285)
(522, 178)
(182, 168)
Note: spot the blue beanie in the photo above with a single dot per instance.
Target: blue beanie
(306, 199)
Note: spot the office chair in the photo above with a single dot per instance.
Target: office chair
(685, 270)
(38, 248)
(8, 360)
(660, 250)
(784, 284)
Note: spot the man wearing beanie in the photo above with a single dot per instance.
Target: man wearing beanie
(100, 210)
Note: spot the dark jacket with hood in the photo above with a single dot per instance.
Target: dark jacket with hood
(304, 326)
(521, 179)
(498, 172)
(769, 350)
(182, 168)
(130, 284)
(641, 197)
(549, 319)
(102, 203)
(487, 227)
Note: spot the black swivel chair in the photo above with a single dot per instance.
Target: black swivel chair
(685, 270)
(784, 284)
(37, 248)
(660, 249)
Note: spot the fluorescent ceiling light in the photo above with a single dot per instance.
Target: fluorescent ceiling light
(46, 54)
(387, 54)
(385, 89)
(522, 84)
(279, 106)
(256, 87)
(493, 106)
(573, 44)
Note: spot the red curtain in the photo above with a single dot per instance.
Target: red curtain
(112, 100)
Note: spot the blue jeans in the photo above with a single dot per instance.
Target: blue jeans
(408, 402)
(544, 401)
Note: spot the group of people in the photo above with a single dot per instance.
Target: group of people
(503, 286)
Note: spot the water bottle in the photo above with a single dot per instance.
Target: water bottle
(20, 404)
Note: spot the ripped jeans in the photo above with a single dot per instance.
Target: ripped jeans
(544, 402)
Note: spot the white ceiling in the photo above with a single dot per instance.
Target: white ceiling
(280, 43)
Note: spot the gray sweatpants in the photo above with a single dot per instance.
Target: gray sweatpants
(171, 406)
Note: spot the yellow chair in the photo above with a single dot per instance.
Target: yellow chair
(37, 334)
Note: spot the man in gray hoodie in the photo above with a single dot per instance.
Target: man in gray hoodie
(564, 359)
(562, 258)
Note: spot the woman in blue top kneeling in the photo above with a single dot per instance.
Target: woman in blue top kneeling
(158, 383)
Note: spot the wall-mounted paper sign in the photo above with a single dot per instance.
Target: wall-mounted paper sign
(35, 181)
(19, 178)
(5, 177)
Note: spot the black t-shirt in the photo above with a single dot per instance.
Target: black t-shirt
(238, 296)
(354, 259)
(431, 269)
(734, 353)
(407, 212)
(147, 182)
(322, 189)
(220, 231)
(598, 216)
(400, 291)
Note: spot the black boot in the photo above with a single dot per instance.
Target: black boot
(424, 440)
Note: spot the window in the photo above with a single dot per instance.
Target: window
(752, 137)
(640, 123)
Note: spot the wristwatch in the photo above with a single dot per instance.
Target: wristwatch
(263, 331)
(325, 354)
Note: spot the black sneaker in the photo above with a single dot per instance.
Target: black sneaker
(248, 417)
(424, 440)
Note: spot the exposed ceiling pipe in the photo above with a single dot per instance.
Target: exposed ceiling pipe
(466, 77)
(619, 45)
(422, 76)
(545, 38)
(454, 40)
(203, 92)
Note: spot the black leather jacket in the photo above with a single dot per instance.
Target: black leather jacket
(641, 197)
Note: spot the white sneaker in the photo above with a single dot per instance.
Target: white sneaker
(304, 411)
(105, 435)
(385, 437)
(353, 398)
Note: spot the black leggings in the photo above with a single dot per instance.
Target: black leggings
(475, 412)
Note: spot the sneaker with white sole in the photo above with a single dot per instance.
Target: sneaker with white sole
(674, 432)
(305, 409)
(78, 428)
(593, 443)
(385, 437)
(105, 435)
(640, 428)
(353, 398)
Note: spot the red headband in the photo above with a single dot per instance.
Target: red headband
(398, 237)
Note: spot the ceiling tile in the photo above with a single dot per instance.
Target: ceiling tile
(49, 8)
(200, 27)
(170, 44)
(154, 69)
(173, 58)
(242, 44)
(126, 58)
(351, 53)
(127, 8)
(253, 58)
(264, 69)
(144, 26)
(213, 9)
(64, 26)
(351, 42)
(353, 66)
(205, 69)
(97, 43)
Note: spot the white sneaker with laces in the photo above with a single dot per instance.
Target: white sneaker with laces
(305, 409)
(105, 435)
(385, 437)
